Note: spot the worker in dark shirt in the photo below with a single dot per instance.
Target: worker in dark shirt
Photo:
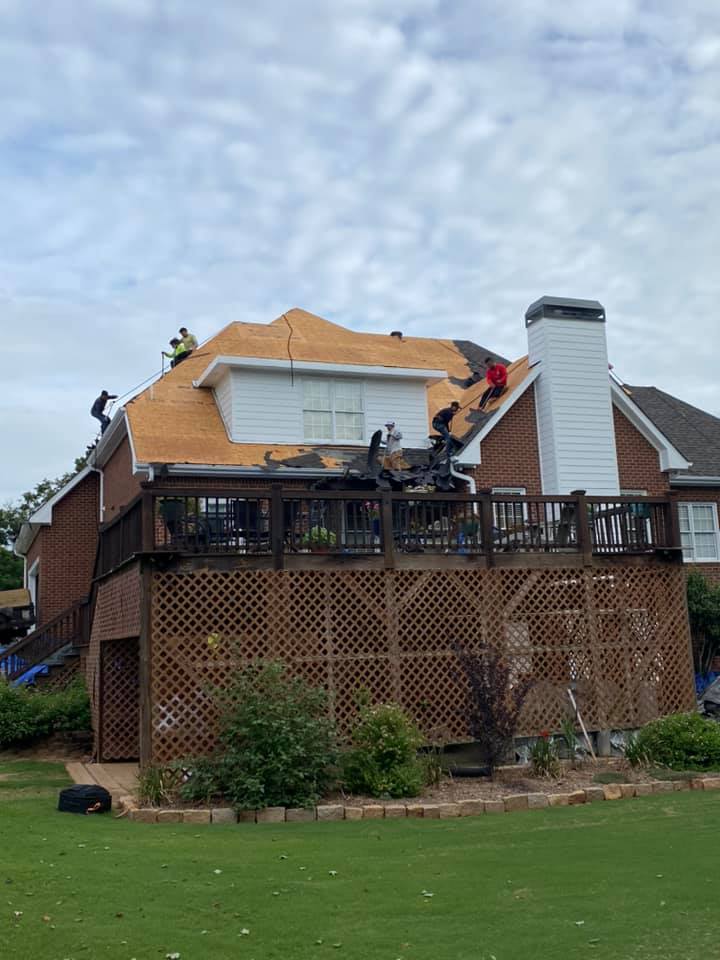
(98, 409)
(496, 377)
(441, 422)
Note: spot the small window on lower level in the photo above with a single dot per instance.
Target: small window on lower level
(699, 533)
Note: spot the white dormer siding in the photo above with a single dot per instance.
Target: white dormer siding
(576, 436)
(262, 401)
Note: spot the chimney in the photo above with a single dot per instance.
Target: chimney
(576, 435)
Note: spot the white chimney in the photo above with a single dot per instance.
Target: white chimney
(576, 437)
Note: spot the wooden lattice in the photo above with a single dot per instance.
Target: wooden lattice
(618, 634)
(119, 716)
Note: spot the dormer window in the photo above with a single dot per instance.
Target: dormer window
(333, 410)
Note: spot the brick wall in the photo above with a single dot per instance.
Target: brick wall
(638, 460)
(66, 550)
(510, 456)
(119, 484)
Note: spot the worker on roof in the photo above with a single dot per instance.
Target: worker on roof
(178, 354)
(98, 409)
(393, 458)
(441, 422)
(496, 377)
(189, 339)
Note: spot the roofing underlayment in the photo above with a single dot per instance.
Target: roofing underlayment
(174, 422)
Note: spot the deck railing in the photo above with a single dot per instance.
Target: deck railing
(72, 626)
(280, 523)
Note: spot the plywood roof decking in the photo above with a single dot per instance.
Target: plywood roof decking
(174, 422)
(14, 598)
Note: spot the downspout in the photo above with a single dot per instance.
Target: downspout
(469, 480)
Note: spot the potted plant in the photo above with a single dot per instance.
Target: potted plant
(319, 538)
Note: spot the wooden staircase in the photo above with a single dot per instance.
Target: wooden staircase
(66, 634)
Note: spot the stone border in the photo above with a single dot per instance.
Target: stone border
(424, 811)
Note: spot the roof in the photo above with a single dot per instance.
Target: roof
(154, 414)
(14, 598)
(43, 515)
(695, 433)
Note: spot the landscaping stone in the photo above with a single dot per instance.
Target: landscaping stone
(169, 816)
(576, 797)
(395, 811)
(494, 806)
(196, 816)
(415, 810)
(711, 783)
(353, 813)
(246, 816)
(558, 799)
(431, 811)
(271, 815)
(697, 783)
(612, 791)
(373, 811)
(471, 808)
(681, 784)
(537, 800)
(331, 811)
(448, 810)
(663, 786)
(627, 790)
(301, 814)
(644, 789)
(143, 815)
(224, 815)
(516, 801)
(593, 794)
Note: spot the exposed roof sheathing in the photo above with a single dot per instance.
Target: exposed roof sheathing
(174, 422)
(14, 598)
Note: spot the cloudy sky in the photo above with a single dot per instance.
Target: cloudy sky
(423, 165)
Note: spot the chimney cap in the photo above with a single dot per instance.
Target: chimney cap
(396, 333)
(564, 308)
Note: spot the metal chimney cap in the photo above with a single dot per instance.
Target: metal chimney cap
(564, 308)
(396, 333)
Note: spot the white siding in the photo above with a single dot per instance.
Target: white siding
(264, 406)
(574, 410)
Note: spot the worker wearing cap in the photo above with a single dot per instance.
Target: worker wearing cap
(98, 409)
(393, 459)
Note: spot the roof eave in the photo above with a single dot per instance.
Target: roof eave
(688, 480)
(670, 456)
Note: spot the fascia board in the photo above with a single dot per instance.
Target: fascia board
(213, 372)
(670, 456)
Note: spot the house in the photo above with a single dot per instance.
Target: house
(240, 517)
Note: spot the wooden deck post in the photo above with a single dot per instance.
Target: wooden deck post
(145, 665)
(277, 532)
(672, 521)
(147, 521)
(386, 525)
(486, 525)
(582, 527)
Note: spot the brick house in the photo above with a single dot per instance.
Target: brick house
(557, 537)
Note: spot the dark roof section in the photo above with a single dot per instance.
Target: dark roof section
(695, 433)
(475, 356)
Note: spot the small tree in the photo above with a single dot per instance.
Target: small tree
(704, 611)
(495, 700)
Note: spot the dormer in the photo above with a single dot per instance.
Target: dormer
(313, 402)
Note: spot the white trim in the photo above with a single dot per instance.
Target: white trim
(112, 438)
(471, 453)
(212, 373)
(43, 515)
(688, 480)
(31, 584)
(670, 456)
(217, 470)
(690, 504)
(228, 431)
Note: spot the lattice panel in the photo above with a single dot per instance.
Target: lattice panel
(617, 634)
(120, 700)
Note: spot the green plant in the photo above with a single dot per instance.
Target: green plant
(684, 741)
(495, 699)
(635, 753)
(319, 537)
(200, 780)
(29, 715)
(276, 742)
(609, 776)
(383, 760)
(704, 612)
(568, 731)
(544, 758)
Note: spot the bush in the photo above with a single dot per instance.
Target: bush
(383, 760)
(544, 757)
(27, 715)
(276, 743)
(685, 741)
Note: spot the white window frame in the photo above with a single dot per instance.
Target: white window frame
(332, 383)
(691, 523)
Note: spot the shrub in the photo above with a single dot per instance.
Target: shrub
(319, 537)
(704, 611)
(685, 741)
(26, 715)
(276, 743)
(383, 760)
(544, 757)
(495, 700)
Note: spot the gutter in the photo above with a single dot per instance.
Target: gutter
(216, 470)
(690, 481)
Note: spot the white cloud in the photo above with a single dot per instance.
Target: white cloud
(424, 166)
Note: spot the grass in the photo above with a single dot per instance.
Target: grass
(631, 880)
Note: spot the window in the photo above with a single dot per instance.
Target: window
(333, 410)
(508, 515)
(699, 533)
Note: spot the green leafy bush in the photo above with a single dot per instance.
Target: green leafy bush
(276, 743)
(26, 716)
(383, 760)
(685, 741)
(319, 537)
(544, 757)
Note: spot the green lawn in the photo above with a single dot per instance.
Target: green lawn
(633, 879)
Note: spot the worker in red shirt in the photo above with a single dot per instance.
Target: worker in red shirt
(496, 377)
